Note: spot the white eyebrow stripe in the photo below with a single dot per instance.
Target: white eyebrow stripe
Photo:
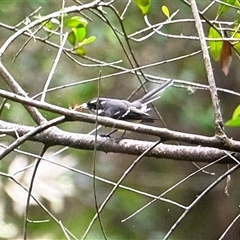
(93, 101)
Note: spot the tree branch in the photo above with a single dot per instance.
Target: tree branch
(163, 133)
(54, 136)
(212, 86)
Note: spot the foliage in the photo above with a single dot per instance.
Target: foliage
(221, 49)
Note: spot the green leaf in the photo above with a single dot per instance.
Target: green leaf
(235, 120)
(47, 25)
(80, 33)
(72, 38)
(165, 10)
(88, 40)
(75, 21)
(237, 3)
(80, 51)
(215, 46)
(236, 112)
(144, 5)
(77, 35)
(50, 24)
(223, 8)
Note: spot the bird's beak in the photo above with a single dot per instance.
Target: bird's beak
(80, 108)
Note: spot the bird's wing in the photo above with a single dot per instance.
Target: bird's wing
(135, 114)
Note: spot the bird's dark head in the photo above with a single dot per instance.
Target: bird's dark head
(95, 105)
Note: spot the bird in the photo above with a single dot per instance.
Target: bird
(135, 111)
(124, 109)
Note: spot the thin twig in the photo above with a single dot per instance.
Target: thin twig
(30, 192)
(171, 188)
(94, 164)
(55, 62)
(198, 198)
(117, 186)
(31, 133)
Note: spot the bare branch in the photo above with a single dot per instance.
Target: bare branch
(213, 89)
(164, 133)
(54, 136)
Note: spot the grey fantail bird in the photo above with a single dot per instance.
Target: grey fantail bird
(123, 109)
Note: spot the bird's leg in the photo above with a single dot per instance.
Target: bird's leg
(117, 140)
(109, 134)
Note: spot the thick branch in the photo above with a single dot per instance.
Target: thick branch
(163, 133)
(55, 136)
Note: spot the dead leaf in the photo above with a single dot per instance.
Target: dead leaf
(226, 57)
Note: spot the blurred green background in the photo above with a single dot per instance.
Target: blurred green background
(68, 193)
